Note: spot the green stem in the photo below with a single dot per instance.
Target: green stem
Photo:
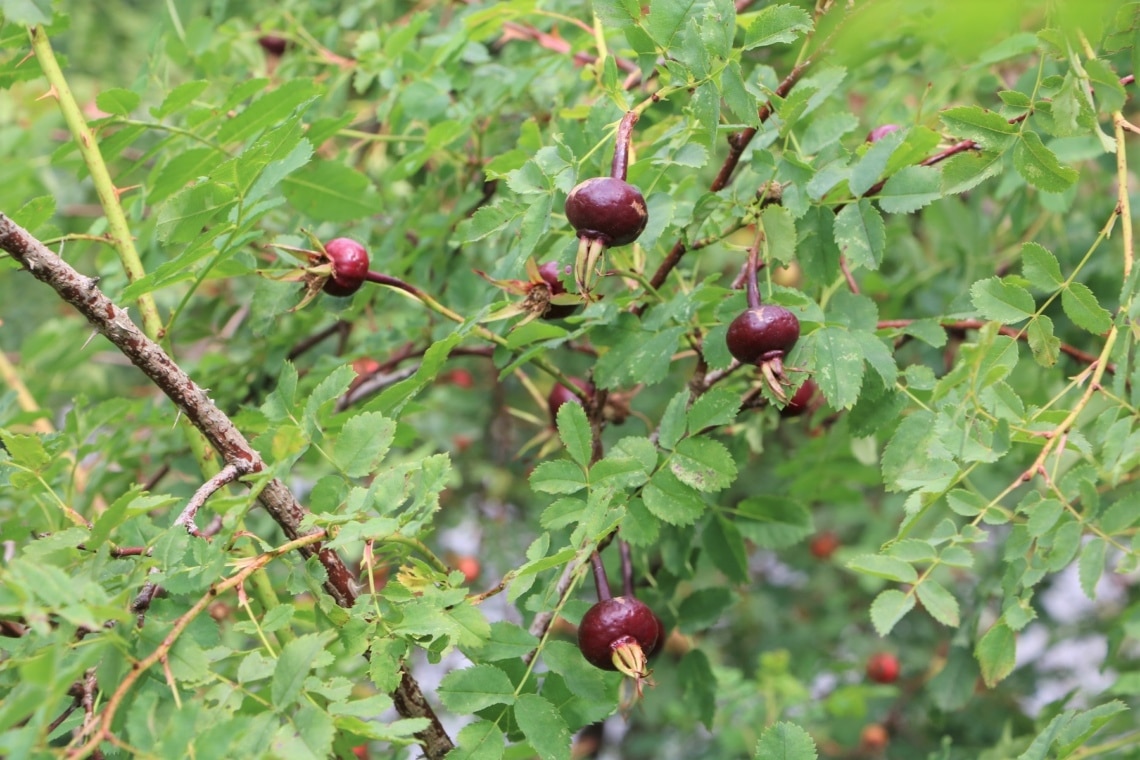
(118, 229)
(434, 305)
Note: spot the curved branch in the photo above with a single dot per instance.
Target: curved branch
(219, 430)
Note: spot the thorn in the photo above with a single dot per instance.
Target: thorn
(90, 338)
(120, 191)
(25, 59)
(51, 93)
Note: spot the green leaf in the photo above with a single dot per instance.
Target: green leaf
(640, 357)
(481, 740)
(1081, 726)
(986, 128)
(117, 101)
(475, 688)
(837, 359)
(1110, 93)
(574, 430)
(954, 686)
(181, 219)
(1002, 301)
(1081, 306)
(824, 131)
(774, 522)
(724, 545)
(779, 233)
(26, 450)
(35, 213)
(861, 234)
(882, 566)
(966, 171)
(870, 167)
(180, 97)
(1091, 565)
(703, 464)
(672, 426)
(966, 503)
(559, 476)
(543, 727)
(671, 500)
(996, 652)
(939, 602)
(668, 17)
(125, 507)
(889, 608)
(715, 408)
(1039, 166)
(915, 458)
(1040, 267)
(270, 109)
(785, 741)
(363, 442)
(26, 12)
(909, 189)
(1046, 347)
(391, 401)
(321, 398)
(293, 665)
(699, 685)
(773, 25)
(330, 191)
(618, 472)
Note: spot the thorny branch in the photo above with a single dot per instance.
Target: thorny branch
(113, 322)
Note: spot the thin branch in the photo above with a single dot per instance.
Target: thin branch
(217, 428)
(977, 324)
(101, 725)
(225, 476)
(515, 31)
(737, 142)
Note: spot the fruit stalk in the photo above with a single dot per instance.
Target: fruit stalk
(600, 579)
(621, 147)
(482, 332)
(750, 278)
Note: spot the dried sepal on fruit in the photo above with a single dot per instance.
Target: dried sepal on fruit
(543, 294)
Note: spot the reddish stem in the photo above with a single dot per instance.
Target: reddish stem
(600, 579)
(621, 147)
(394, 282)
(753, 266)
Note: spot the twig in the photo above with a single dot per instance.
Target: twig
(977, 324)
(217, 428)
(101, 725)
(373, 384)
(340, 327)
(557, 44)
(225, 476)
(737, 142)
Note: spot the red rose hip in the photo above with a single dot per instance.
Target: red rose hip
(762, 333)
(350, 263)
(883, 667)
(619, 634)
(607, 209)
